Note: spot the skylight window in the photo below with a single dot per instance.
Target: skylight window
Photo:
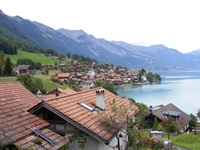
(38, 132)
(86, 106)
(171, 113)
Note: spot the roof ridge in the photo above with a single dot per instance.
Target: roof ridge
(63, 96)
(53, 98)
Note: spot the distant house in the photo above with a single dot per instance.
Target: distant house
(86, 84)
(61, 77)
(144, 78)
(81, 111)
(161, 112)
(19, 128)
(22, 69)
(91, 73)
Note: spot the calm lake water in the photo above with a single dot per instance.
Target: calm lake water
(181, 88)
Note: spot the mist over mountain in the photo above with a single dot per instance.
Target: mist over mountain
(155, 57)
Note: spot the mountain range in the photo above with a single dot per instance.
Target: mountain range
(155, 57)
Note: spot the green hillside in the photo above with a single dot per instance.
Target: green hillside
(34, 57)
(47, 83)
(50, 85)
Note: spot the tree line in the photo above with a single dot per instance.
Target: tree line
(7, 47)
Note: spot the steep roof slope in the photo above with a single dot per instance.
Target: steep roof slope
(15, 89)
(15, 121)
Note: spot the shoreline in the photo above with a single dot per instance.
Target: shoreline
(144, 83)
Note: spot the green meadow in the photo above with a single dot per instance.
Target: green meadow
(187, 140)
(33, 56)
(50, 85)
(47, 83)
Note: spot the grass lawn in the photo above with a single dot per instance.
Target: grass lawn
(53, 72)
(47, 83)
(187, 140)
(50, 85)
(13, 79)
(34, 57)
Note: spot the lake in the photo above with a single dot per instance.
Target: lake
(181, 88)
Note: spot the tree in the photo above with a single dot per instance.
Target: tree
(2, 63)
(61, 57)
(38, 65)
(27, 61)
(98, 83)
(120, 119)
(32, 85)
(8, 67)
(169, 125)
(141, 114)
(157, 77)
(198, 113)
(143, 71)
(69, 55)
(150, 77)
(38, 84)
(109, 87)
(155, 124)
(193, 122)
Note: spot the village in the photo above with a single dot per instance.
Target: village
(68, 119)
(85, 74)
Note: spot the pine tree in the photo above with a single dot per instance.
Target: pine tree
(2, 63)
(8, 67)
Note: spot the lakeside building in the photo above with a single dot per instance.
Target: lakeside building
(162, 112)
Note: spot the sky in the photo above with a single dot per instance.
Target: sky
(173, 23)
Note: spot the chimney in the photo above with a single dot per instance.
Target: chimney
(100, 103)
(150, 109)
(57, 92)
(39, 94)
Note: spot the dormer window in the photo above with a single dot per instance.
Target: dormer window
(174, 114)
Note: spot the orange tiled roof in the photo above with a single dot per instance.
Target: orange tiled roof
(29, 141)
(61, 75)
(15, 121)
(15, 89)
(82, 118)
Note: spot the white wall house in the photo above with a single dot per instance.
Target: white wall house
(85, 111)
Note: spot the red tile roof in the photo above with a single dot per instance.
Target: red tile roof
(62, 75)
(15, 121)
(29, 141)
(15, 89)
(90, 122)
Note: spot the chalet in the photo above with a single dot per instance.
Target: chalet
(161, 112)
(22, 69)
(61, 77)
(81, 111)
(19, 128)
